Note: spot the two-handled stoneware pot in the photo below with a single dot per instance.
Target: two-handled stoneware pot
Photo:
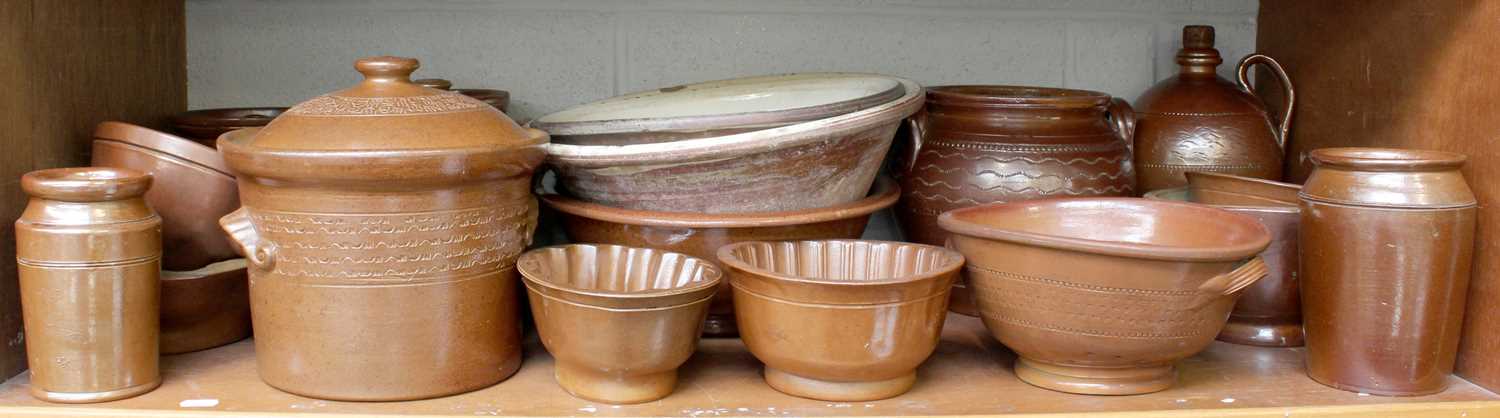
(618, 320)
(1101, 295)
(840, 320)
(382, 224)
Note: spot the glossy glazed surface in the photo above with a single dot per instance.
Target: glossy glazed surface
(1198, 121)
(1102, 295)
(191, 189)
(741, 103)
(88, 250)
(984, 144)
(1268, 313)
(815, 164)
(840, 320)
(382, 224)
(205, 125)
(1409, 215)
(619, 320)
(701, 235)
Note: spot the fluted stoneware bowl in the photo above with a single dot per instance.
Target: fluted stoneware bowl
(808, 165)
(1102, 295)
(700, 235)
(840, 320)
(619, 320)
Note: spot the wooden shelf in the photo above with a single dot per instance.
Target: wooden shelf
(969, 375)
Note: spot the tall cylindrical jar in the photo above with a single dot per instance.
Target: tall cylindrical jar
(1387, 241)
(88, 250)
(382, 225)
(984, 144)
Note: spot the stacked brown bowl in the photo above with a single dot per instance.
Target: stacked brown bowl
(692, 168)
(204, 301)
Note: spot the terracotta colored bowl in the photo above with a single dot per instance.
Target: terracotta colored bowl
(816, 164)
(1102, 295)
(1270, 312)
(191, 190)
(840, 320)
(205, 125)
(619, 320)
(700, 235)
(204, 308)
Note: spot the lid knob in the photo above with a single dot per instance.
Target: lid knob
(1197, 36)
(387, 68)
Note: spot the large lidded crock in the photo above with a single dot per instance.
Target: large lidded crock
(382, 224)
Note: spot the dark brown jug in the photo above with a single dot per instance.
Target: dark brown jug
(985, 144)
(1198, 121)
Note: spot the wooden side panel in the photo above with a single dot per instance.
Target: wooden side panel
(1409, 74)
(67, 66)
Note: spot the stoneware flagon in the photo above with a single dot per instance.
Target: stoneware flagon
(382, 224)
(840, 320)
(1105, 307)
(1198, 121)
(498, 99)
(1409, 216)
(809, 165)
(203, 305)
(88, 251)
(984, 144)
(204, 126)
(618, 320)
(701, 235)
(1268, 313)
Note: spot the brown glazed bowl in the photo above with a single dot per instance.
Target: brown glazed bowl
(1229, 189)
(816, 164)
(701, 235)
(840, 320)
(1268, 313)
(619, 320)
(205, 125)
(1101, 295)
(204, 308)
(192, 189)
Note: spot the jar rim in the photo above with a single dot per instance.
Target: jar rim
(1009, 96)
(1387, 159)
(86, 184)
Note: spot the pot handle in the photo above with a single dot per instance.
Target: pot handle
(915, 125)
(247, 242)
(1231, 282)
(1286, 86)
(1123, 116)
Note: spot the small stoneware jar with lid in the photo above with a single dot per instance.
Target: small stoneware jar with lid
(1387, 243)
(382, 225)
(88, 250)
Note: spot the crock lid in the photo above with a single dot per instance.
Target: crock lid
(763, 101)
(387, 111)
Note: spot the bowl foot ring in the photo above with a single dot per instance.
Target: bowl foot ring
(1096, 380)
(825, 390)
(614, 388)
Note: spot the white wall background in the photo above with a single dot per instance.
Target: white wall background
(555, 53)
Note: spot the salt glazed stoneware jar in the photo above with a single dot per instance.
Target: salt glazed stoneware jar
(984, 144)
(382, 224)
(1197, 121)
(88, 253)
(1387, 246)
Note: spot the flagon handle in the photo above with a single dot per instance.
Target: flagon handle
(247, 241)
(1286, 86)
